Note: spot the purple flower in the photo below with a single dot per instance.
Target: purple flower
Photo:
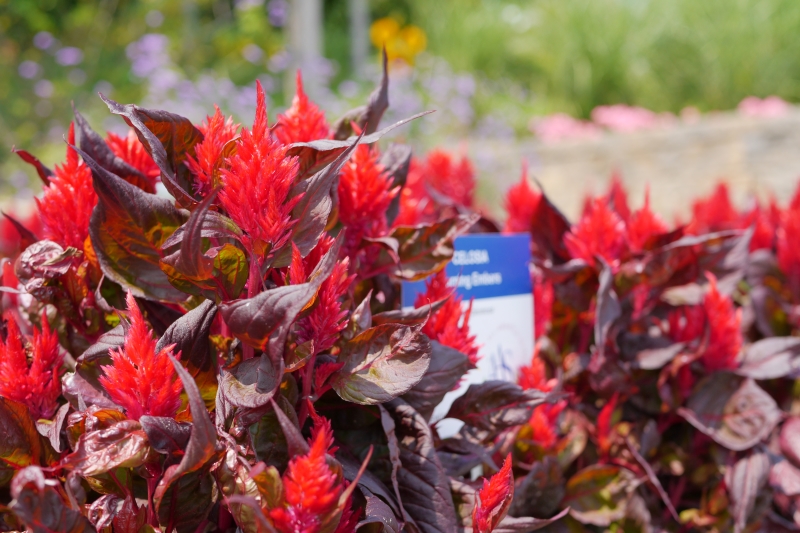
(278, 12)
(68, 56)
(29, 69)
(253, 53)
(43, 40)
(154, 18)
(279, 61)
(43, 88)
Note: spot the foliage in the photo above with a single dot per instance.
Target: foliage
(676, 348)
(233, 356)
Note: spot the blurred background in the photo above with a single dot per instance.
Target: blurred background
(671, 93)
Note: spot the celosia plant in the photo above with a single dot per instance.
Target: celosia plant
(234, 358)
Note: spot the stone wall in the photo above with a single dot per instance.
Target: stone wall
(756, 156)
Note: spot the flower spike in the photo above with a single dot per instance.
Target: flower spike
(303, 121)
(494, 499)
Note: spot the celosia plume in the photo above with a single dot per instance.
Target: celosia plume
(454, 179)
(450, 324)
(36, 383)
(544, 420)
(494, 499)
(521, 203)
(543, 299)
(788, 237)
(600, 232)
(205, 164)
(141, 380)
(257, 183)
(416, 206)
(643, 225)
(604, 424)
(724, 329)
(303, 121)
(617, 197)
(67, 201)
(715, 213)
(311, 490)
(133, 152)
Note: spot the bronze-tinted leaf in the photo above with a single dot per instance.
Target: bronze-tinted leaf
(526, 524)
(496, 405)
(540, 492)
(745, 481)
(20, 443)
(251, 383)
(127, 228)
(164, 434)
(367, 117)
(123, 445)
(599, 494)
(382, 363)
(42, 171)
(38, 502)
(447, 367)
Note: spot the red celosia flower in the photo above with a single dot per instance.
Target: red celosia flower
(257, 183)
(217, 132)
(36, 383)
(141, 380)
(603, 433)
(303, 121)
(133, 152)
(534, 376)
(365, 192)
(521, 203)
(543, 299)
(617, 196)
(788, 249)
(644, 224)
(450, 324)
(494, 499)
(416, 206)
(724, 329)
(327, 317)
(67, 202)
(763, 228)
(600, 232)
(687, 323)
(715, 213)
(454, 179)
(311, 490)
(544, 420)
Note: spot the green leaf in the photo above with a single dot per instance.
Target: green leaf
(127, 228)
(382, 363)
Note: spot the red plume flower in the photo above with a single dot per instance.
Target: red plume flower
(544, 420)
(454, 179)
(494, 499)
(788, 249)
(521, 203)
(133, 152)
(257, 183)
(67, 202)
(416, 207)
(311, 490)
(604, 424)
(764, 229)
(724, 329)
(600, 232)
(303, 121)
(141, 380)
(543, 299)
(365, 192)
(450, 324)
(36, 383)
(617, 196)
(714, 213)
(217, 132)
(644, 224)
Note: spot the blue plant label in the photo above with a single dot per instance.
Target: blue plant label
(492, 271)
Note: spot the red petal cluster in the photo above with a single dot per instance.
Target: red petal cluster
(133, 152)
(36, 383)
(715, 213)
(67, 202)
(217, 132)
(644, 224)
(365, 192)
(311, 490)
(544, 420)
(789, 246)
(141, 380)
(450, 324)
(600, 232)
(257, 183)
(604, 424)
(303, 121)
(724, 329)
(543, 299)
(493, 500)
(521, 203)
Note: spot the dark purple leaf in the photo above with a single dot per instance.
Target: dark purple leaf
(377, 512)
(396, 160)
(540, 492)
(184, 500)
(421, 483)
(42, 261)
(368, 481)
(608, 310)
(26, 236)
(496, 405)
(123, 445)
(651, 475)
(655, 358)
(203, 441)
(168, 138)
(550, 226)
(127, 228)
(295, 442)
(367, 117)
(744, 481)
(267, 437)
(192, 261)
(735, 412)
(251, 383)
(94, 145)
(382, 363)
(525, 524)
(164, 434)
(408, 317)
(39, 505)
(51, 429)
(189, 334)
(447, 367)
(44, 173)
(82, 394)
(424, 250)
(263, 321)
(160, 316)
(771, 358)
